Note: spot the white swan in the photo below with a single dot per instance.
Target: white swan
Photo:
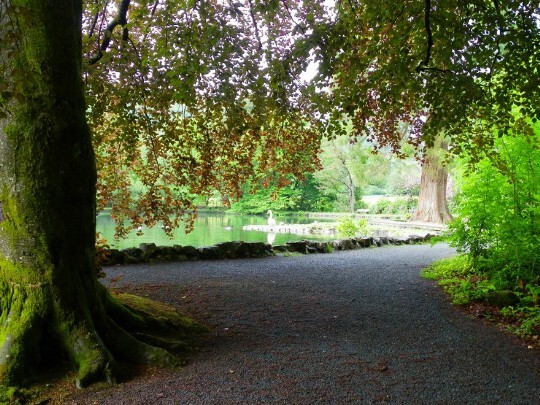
(271, 220)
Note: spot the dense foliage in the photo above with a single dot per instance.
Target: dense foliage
(198, 96)
(296, 196)
(497, 228)
(457, 67)
(189, 97)
(498, 209)
(348, 171)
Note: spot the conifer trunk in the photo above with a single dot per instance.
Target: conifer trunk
(50, 299)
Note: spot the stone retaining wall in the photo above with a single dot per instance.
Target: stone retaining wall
(149, 252)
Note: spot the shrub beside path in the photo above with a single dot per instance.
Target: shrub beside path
(356, 326)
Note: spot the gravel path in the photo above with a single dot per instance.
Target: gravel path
(349, 327)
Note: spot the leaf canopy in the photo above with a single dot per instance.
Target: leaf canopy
(462, 67)
(194, 96)
(190, 96)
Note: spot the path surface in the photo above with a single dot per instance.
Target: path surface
(350, 327)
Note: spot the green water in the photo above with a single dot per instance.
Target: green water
(210, 228)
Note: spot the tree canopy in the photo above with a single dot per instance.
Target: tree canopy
(460, 67)
(193, 96)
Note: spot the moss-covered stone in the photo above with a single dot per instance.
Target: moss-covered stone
(502, 298)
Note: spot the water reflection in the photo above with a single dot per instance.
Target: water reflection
(210, 228)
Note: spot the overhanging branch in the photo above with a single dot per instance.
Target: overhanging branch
(119, 19)
(429, 35)
(257, 35)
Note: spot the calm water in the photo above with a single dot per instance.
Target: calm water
(210, 228)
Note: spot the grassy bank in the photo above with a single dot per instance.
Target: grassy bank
(517, 311)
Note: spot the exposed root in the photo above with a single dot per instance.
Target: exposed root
(95, 371)
(138, 314)
(82, 343)
(131, 350)
(171, 345)
(119, 328)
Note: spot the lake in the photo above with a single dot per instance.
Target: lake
(210, 229)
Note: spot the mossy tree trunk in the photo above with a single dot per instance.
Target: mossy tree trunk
(49, 294)
(433, 201)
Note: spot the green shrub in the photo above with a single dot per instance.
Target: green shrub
(382, 206)
(498, 213)
(527, 320)
(457, 277)
(349, 227)
(401, 206)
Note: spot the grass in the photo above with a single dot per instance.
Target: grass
(469, 289)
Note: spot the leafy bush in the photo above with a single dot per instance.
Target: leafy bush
(527, 320)
(401, 206)
(349, 227)
(464, 285)
(497, 227)
(457, 277)
(498, 213)
(382, 206)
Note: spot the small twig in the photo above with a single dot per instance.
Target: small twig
(152, 13)
(292, 18)
(255, 25)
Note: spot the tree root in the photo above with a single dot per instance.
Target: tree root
(22, 319)
(91, 355)
(122, 328)
(131, 350)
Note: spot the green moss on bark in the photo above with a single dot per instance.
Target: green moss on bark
(157, 314)
(50, 297)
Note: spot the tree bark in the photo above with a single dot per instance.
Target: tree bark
(351, 189)
(49, 293)
(432, 201)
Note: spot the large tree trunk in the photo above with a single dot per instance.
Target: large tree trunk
(432, 201)
(50, 299)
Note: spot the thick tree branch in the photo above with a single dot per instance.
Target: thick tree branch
(93, 25)
(427, 23)
(120, 19)
(154, 8)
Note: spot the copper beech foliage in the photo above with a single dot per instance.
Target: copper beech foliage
(191, 96)
(186, 97)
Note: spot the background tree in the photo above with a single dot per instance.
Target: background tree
(458, 68)
(432, 200)
(346, 169)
